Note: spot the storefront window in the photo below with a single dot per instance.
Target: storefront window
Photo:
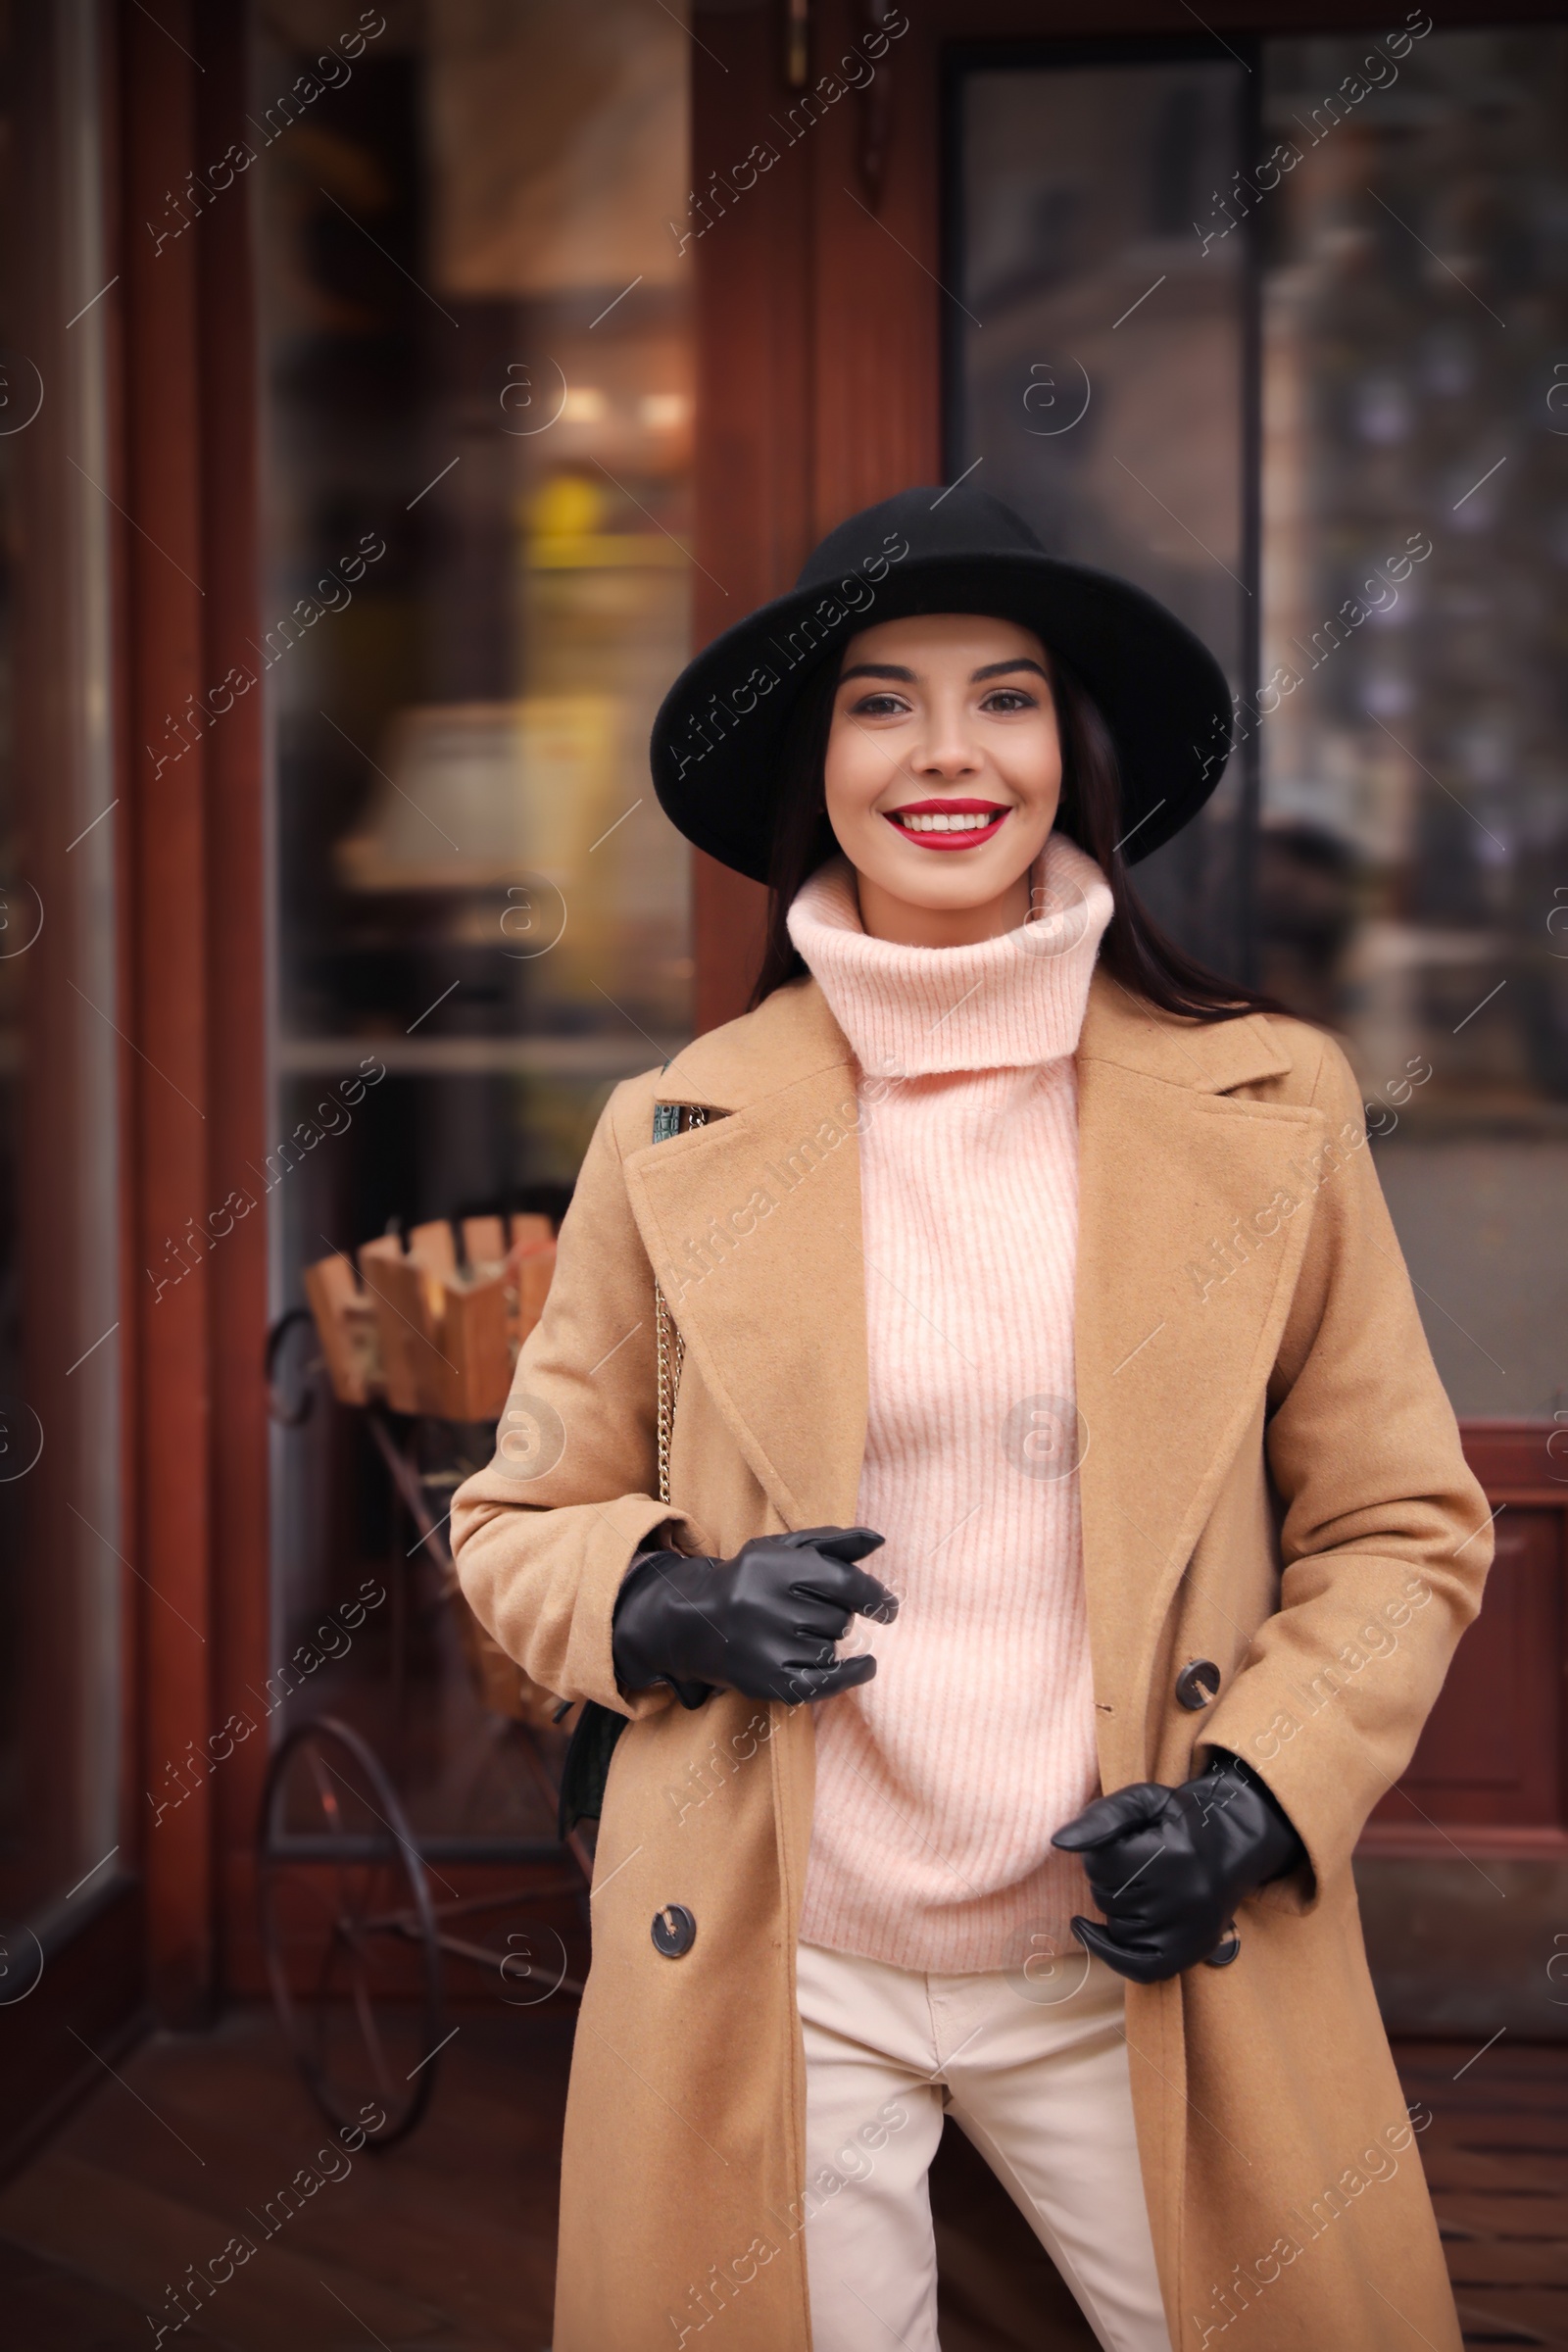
(477, 352)
(1098, 368)
(1302, 374)
(1414, 850)
(60, 1525)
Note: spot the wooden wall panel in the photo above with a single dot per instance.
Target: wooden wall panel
(876, 297)
(753, 403)
(85, 2009)
(1491, 1754)
(167, 1140)
(1489, 1773)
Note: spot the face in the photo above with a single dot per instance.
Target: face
(944, 774)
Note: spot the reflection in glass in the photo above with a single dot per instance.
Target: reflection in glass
(1415, 787)
(1400, 233)
(61, 1535)
(1098, 380)
(479, 420)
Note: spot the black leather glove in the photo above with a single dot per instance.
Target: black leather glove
(1169, 1866)
(763, 1623)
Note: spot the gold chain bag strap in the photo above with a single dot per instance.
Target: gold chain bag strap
(586, 1768)
(670, 1118)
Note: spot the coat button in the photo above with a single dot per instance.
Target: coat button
(1225, 1951)
(674, 1931)
(1197, 1683)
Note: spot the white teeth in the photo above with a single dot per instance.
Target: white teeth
(948, 824)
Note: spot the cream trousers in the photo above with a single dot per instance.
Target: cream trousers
(1033, 2067)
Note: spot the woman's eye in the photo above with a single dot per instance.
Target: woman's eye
(1009, 698)
(879, 706)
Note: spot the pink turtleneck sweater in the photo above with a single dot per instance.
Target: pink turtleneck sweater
(940, 1783)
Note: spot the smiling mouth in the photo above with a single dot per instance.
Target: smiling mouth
(946, 824)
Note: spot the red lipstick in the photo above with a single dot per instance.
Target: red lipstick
(947, 836)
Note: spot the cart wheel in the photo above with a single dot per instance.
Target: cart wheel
(348, 1933)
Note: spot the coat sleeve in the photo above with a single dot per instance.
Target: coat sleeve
(543, 1537)
(1385, 1536)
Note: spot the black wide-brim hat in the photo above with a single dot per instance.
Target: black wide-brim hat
(720, 728)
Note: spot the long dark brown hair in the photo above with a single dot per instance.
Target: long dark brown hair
(1133, 949)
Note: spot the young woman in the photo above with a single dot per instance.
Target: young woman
(1050, 1555)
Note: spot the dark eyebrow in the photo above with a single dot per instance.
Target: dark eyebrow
(906, 678)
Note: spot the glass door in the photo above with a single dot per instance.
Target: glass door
(1099, 376)
(477, 443)
(1279, 335)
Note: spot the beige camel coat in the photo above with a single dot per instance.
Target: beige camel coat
(1273, 1481)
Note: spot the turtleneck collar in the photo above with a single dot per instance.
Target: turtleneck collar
(1010, 1002)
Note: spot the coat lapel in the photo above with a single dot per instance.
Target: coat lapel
(1186, 1259)
(753, 1227)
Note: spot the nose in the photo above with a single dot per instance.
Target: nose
(947, 749)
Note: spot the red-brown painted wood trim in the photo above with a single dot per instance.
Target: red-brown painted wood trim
(133, 1816)
(1520, 1461)
(195, 962)
(82, 2013)
(753, 502)
(186, 922)
(237, 959)
(1412, 1842)
(1517, 1468)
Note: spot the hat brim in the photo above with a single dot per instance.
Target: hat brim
(717, 740)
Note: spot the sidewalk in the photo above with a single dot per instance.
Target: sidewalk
(447, 2245)
(1497, 2159)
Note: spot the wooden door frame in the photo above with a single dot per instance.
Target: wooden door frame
(193, 918)
(190, 957)
(89, 1994)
